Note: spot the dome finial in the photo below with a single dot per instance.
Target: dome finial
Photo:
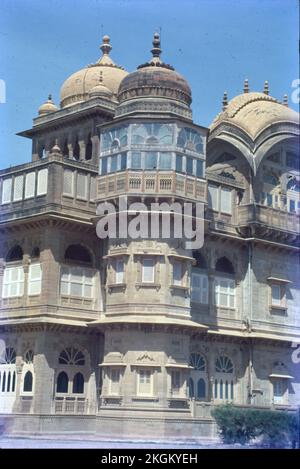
(285, 100)
(225, 100)
(156, 50)
(246, 85)
(266, 87)
(49, 97)
(106, 46)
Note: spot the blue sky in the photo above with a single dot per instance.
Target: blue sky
(215, 44)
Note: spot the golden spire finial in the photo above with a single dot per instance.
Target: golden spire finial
(266, 87)
(246, 85)
(225, 100)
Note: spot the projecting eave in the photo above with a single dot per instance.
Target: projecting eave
(151, 321)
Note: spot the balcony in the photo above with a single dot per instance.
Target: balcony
(268, 220)
(39, 187)
(155, 183)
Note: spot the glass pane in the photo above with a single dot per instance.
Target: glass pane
(18, 188)
(189, 165)
(199, 168)
(6, 190)
(150, 160)
(64, 288)
(29, 185)
(136, 160)
(113, 163)
(213, 197)
(165, 160)
(68, 182)
(81, 186)
(276, 294)
(76, 289)
(226, 200)
(42, 182)
(123, 161)
(148, 270)
(103, 165)
(179, 163)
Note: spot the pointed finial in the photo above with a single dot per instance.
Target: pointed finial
(225, 100)
(246, 85)
(285, 100)
(156, 50)
(50, 97)
(105, 46)
(266, 87)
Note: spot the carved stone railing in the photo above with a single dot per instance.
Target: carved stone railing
(268, 216)
(151, 182)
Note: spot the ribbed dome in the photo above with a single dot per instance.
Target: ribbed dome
(253, 112)
(155, 79)
(77, 87)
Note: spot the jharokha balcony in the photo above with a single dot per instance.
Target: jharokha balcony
(268, 221)
(151, 183)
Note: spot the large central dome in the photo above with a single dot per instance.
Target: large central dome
(78, 86)
(153, 82)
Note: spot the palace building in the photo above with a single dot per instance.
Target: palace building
(144, 337)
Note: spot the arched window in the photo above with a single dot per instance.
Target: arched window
(15, 254)
(223, 265)
(198, 378)
(224, 365)
(78, 253)
(197, 362)
(9, 356)
(62, 382)
(224, 382)
(201, 389)
(78, 384)
(71, 356)
(29, 357)
(28, 380)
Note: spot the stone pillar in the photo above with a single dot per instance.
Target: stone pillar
(44, 375)
(81, 144)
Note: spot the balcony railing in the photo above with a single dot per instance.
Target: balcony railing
(70, 405)
(151, 182)
(268, 216)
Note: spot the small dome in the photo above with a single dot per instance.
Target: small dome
(253, 112)
(100, 90)
(77, 87)
(47, 107)
(155, 79)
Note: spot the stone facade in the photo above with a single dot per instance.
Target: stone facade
(144, 337)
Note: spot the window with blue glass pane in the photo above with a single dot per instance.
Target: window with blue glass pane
(114, 163)
(189, 165)
(199, 168)
(165, 160)
(150, 160)
(136, 161)
(292, 205)
(179, 163)
(104, 166)
(123, 161)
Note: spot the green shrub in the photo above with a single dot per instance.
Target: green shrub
(240, 425)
